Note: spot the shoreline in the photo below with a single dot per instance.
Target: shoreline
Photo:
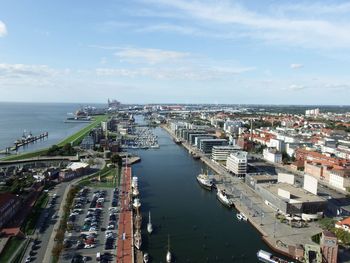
(264, 236)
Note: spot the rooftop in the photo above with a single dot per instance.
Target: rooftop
(297, 194)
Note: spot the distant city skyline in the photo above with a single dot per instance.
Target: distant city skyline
(178, 51)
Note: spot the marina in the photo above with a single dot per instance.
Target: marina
(27, 138)
(142, 138)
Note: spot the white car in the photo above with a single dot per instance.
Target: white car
(110, 227)
(92, 229)
(28, 259)
(89, 246)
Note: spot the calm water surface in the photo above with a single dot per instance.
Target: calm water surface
(200, 228)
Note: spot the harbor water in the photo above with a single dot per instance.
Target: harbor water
(201, 229)
(15, 118)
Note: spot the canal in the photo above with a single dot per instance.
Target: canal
(200, 228)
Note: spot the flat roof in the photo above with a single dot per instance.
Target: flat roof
(264, 177)
(297, 194)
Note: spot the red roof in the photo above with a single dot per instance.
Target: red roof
(345, 221)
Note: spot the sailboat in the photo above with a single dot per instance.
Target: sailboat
(149, 225)
(168, 253)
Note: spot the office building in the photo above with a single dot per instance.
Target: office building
(237, 163)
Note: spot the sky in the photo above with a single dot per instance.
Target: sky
(175, 51)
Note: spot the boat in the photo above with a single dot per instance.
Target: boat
(267, 257)
(177, 141)
(149, 225)
(136, 204)
(205, 181)
(168, 253)
(137, 239)
(223, 198)
(138, 220)
(241, 216)
(135, 192)
(145, 258)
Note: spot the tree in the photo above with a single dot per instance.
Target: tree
(116, 159)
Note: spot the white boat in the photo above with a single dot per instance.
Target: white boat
(205, 181)
(241, 216)
(137, 239)
(149, 225)
(223, 198)
(135, 191)
(267, 257)
(145, 258)
(136, 204)
(168, 253)
(134, 182)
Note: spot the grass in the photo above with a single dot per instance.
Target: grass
(37, 209)
(10, 248)
(75, 139)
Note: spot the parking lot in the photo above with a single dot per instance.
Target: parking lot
(93, 226)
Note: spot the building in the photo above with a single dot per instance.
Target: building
(329, 247)
(340, 178)
(278, 144)
(290, 200)
(252, 180)
(206, 145)
(220, 153)
(73, 170)
(312, 112)
(198, 138)
(9, 206)
(87, 143)
(272, 155)
(343, 224)
(237, 163)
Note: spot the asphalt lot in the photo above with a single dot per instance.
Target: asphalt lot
(45, 225)
(76, 241)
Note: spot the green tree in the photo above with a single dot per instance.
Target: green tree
(116, 159)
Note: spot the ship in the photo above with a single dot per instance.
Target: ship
(136, 204)
(135, 191)
(223, 198)
(177, 141)
(149, 225)
(267, 257)
(205, 181)
(137, 240)
(168, 253)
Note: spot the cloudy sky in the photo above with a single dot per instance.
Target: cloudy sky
(181, 51)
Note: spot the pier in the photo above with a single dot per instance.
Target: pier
(25, 140)
(125, 244)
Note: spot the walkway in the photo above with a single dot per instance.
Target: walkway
(125, 250)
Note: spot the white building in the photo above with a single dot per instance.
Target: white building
(313, 112)
(220, 153)
(278, 144)
(237, 163)
(339, 179)
(272, 155)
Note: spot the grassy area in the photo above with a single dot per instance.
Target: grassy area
(34, 215)
(10, 248)
(75, 139)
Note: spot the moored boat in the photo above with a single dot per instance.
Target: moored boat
(241, 217)
(136, 204)
(267, 257)
(137, 239)
(205, 181)
(223, 198)
(146, 258)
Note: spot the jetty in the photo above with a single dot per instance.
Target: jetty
(25, 140)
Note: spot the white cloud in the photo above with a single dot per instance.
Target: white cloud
(18, 70)
(149, 55)
(233, 20)
(3, 29)
(295, 87)
(296, 66)
(177, 73)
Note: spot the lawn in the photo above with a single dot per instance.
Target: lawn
(10, 248)
(75, 139)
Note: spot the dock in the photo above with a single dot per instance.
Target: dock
(125, 244)
(24, 141)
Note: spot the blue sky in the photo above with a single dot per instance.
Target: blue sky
(179, 51)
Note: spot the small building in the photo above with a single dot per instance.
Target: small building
(272, 155)
(9, 206)
(343, 224)
(237, 163)
(252, 180)
(329, 247)
(73, 170)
